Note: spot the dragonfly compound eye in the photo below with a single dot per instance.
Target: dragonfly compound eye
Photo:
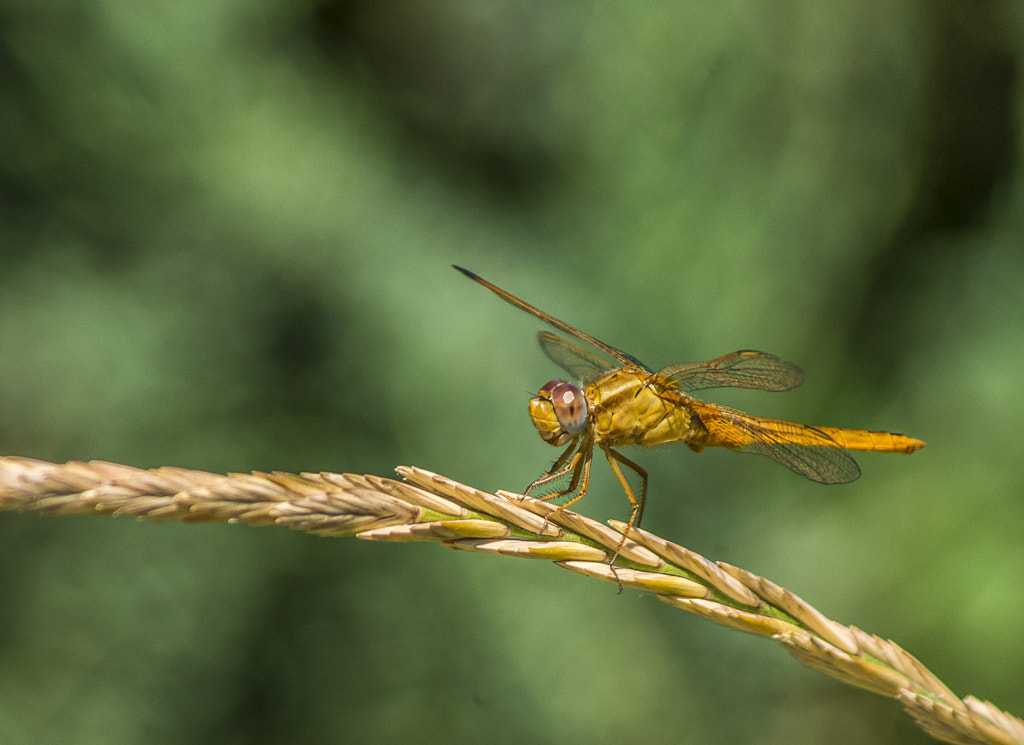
(570, 405)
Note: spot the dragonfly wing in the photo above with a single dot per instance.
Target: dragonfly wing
(572, 358)
(627, 360)
(805, 450)
(744, 369)
(825, 465)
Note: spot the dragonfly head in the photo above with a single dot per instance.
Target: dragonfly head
(559, 412)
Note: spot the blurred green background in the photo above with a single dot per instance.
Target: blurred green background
(225, 237)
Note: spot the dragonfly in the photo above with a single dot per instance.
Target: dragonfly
(618, 401)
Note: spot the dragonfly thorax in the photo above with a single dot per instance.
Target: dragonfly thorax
(559, 412)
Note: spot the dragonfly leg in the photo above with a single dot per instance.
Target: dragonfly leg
(556, 471)
(579, 465)
(580, 477)
(614, 459)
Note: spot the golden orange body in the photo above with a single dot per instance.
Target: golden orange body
(628, 407)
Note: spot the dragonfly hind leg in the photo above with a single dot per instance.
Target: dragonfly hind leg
(614, 459)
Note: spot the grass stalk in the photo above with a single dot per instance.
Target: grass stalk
(428, 507)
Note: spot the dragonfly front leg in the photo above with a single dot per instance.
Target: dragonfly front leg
(581, 477)
(556, 471)
(578, 464)
(574, 459)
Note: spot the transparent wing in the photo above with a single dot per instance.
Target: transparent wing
(823, 464)
(618, 355)
(744, 369)
(800, 448)
(572, 358)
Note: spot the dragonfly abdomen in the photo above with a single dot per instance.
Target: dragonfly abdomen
(869, 441)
